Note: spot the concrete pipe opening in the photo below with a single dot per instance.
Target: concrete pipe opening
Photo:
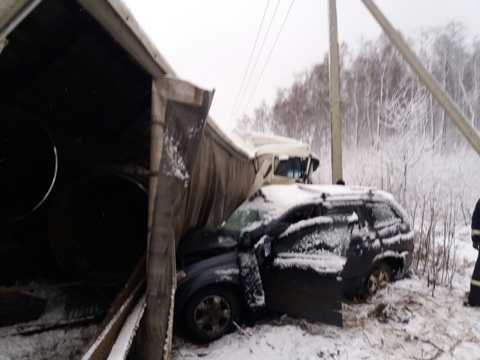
(98, 228)
(28, 166)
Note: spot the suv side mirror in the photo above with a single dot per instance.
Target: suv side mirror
(263, 248)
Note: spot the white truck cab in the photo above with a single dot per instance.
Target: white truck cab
(280, 160)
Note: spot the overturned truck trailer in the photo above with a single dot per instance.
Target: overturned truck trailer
(75, 106)
(80, 87)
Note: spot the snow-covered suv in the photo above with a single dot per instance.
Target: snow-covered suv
(295, 249)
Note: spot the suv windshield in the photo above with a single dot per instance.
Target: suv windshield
(254, 212)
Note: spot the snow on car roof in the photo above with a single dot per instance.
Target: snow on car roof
(296, 194)
(286, 196)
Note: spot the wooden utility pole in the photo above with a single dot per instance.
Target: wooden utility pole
(336, 135)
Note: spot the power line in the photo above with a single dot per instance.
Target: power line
(248, 65)
(258, 56)
(266, 62)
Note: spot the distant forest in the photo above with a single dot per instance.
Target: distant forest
(381, 97)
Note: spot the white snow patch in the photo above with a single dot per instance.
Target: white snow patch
(175, 166)
(398, 238)
(227, 275)
(305, 223)
(251, 279)
(324, 262)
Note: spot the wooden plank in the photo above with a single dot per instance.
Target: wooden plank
(108, 331)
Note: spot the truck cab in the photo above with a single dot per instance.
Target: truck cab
(281, 160)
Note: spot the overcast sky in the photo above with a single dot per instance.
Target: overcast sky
(210, 42)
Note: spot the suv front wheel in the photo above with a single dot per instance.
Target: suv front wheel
(210, 313)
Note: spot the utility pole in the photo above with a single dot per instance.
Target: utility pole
(336, 135)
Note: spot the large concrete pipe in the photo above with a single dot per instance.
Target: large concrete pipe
(28, 166)
(98, 228)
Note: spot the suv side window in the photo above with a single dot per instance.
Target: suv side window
(299, 227)
(341, 211)
(382, 214)
(302, 213)
(316, 234)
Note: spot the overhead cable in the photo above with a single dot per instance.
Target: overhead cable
(266, 62)
(258, 56)
(248, 66)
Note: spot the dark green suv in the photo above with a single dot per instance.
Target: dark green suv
(294, 249)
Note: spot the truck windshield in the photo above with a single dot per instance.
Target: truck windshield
(292, 167)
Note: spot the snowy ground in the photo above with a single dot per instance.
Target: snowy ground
(406, 320)
(403, 322)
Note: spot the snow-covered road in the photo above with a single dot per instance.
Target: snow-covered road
(407, 319)
(403, 322)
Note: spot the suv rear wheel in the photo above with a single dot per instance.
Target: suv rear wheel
(210, 313)
(377, 279)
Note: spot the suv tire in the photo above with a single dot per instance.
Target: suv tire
(210, 313)
(378, 278)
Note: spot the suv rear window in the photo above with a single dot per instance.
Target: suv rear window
(382, 214)
(341, 211)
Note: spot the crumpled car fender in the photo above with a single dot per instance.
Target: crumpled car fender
(221, 269)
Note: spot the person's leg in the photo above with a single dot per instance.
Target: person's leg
(474, 296)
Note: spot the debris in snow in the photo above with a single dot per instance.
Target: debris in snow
(388, 312)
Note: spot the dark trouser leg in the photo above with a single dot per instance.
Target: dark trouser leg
(474, 297)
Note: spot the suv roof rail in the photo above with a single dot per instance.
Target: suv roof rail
(349, 189)
(308, 188)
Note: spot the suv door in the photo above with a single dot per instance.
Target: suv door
(300, 278)
(381, 232)
(392, 229)
(361, 252)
